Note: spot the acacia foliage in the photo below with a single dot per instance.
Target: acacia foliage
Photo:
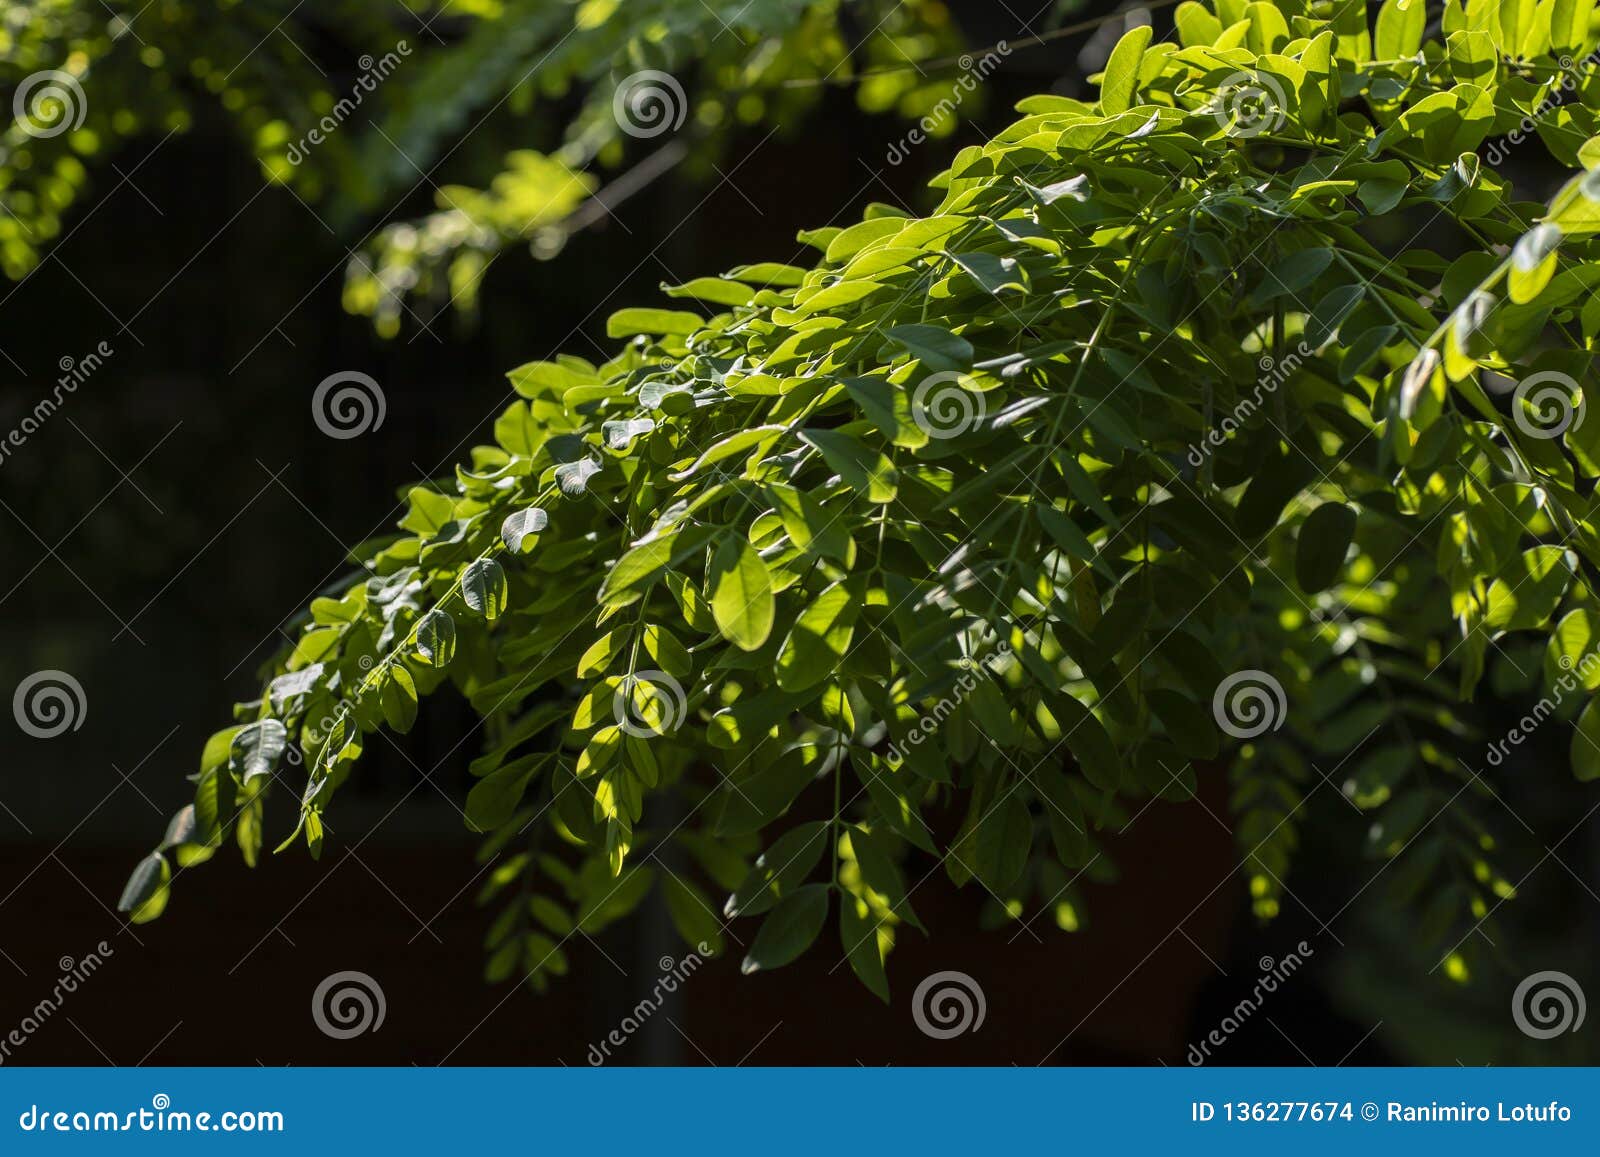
(353, 105)
(1195, 416)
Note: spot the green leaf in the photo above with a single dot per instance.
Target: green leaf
(145, 896)
(1569, 25)
(1330, 312)
(717, 290)
(627, 322)
(397, 697)
(740, 587)
(1574, 649)
(644, 563)
(1399, 29)
(996, 274)
(520, 528)
(727, 447)
(1122, 70)
(1086, 737)
(436, 638)
(1004, 835)
(1320, 549)
(934, 346)
(880, 871)
(858, 930)
(862, 469)
(1533, 262)
(1190, 727)
(257, 748)
(1292, 274)
(1586, 743)
(819, 639)
(483, 588)
(494, 799)
(1071, 189)
(692, 915)
(780, 870)
(789, 930)
(1529, 589)
(809, 526)
(889, 408)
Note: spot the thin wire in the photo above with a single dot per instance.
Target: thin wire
(1036, 39)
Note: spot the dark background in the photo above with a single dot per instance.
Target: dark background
(182, 505)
